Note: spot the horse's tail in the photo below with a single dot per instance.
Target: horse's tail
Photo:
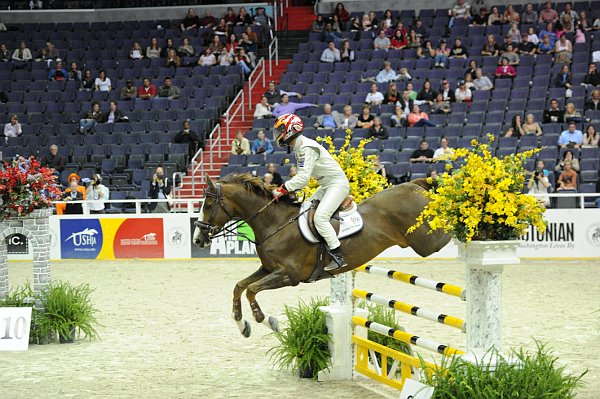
(422, 182)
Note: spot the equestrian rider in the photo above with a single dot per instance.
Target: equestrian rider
(315, 161)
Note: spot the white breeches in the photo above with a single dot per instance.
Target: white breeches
(331, 198)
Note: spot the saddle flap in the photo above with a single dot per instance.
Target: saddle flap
(345, 221)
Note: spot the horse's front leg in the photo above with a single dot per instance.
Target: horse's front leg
(276, 279)
(241, 285)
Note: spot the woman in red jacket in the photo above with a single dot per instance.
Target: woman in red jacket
(504, 70)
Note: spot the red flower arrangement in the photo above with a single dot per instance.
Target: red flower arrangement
(26, 186)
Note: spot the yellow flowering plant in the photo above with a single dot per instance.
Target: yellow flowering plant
(360, 169)
(482, 198)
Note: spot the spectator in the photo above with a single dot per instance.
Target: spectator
(441, 106)
(399, 117)
(593, 103)
(568, 10)
(114, 115)
(225, 58)
(540, 166)
(420, 29)
(222, 28)
(286, 107)
(365, 119)
(388, 17)
(585, 23)
(382, 42)
(355, 26)
(243, 18)
(72, 194)
(546, 46)
(418, 118)
(329, 34)
(404, 75)
(154, 50)
(568, 157)
(147, 91)
(21, 57)
(538, 185)
(173, 60)
(571, 114)
(90, 118)
(529, 16)
(274, 96)
(374, 97)
(469, 82)
(342, 14)
(511, 16)
(49, 54)
(251, 35)
(458, 50)
(514, 34)
(267, 179)
(318, 24)
(511, 55)
(549, 30)
(563, 79)
(427, 51)
(249, 45)
(444, 149)
(215, 46)
(414, 40)
(567, 180)
(102, 82)
(240, 145)
(387, 74)
(591, 138)
(531, 126)
(345, 120)
(391, 95)
(495, 18)
(293, 171)
(480, 18)
(53, 160)
(377, 131)
(191, 138)
(168, 90)
(399, 40)
(373, 20)
(504, 46)
(97, 193)
(505, 70)
(326, 120)
(160, 188)
(592, 78)
(58, 73)
(481, 81)
(461, 10)
(532, 37)
(13, 128)
(447, 92)
(5, 54)
(571, 138)
(442, 53)
(186, 49)
(423, 153)
(526, 47)
(490, 48)
(516, 128)
(277, 180)
(427, 94)
(263, 109)
(462, 93)
(346, 53)
(548, 14)
(128, 92)
(74, 73)
(563, 50)
(243, 60)
(164, 51)
(330, 53)
(191, 21)
(136, 52)
(262, 145)
(207, 58)
(88, 82)
(554, 114)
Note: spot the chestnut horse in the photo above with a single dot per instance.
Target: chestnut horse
(287, 259)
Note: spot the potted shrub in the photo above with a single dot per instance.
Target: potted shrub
(303, 345)
(67, 310)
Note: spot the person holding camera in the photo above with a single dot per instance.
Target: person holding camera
(97, 193)
(160, 188)
(262, 145)
(538, 185)
(241, 145)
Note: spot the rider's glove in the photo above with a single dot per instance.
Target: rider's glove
(279, 191)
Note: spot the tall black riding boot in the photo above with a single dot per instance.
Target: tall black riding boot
(338, 260)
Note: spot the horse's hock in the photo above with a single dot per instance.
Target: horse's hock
(35, 227)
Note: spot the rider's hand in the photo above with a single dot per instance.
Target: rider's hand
(279, 191)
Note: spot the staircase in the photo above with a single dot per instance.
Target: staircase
(300, 18)
(216, 154)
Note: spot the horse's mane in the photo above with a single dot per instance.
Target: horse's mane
(251, 182)
(424, 184)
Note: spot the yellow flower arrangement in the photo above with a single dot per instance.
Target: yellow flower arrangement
(482, 199)
(360, 169)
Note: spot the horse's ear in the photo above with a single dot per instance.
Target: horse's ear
(209, 182)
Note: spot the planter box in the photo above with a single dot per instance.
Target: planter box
(488, 253)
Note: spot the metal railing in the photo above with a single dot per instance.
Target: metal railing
(273, 54)
(197, 163)
(255, 77)
(139, 204)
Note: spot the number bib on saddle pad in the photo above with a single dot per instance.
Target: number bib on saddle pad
(346, 221)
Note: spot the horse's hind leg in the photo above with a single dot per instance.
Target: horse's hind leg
(241, 285)
(276, 279)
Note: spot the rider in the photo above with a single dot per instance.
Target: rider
(315, 161)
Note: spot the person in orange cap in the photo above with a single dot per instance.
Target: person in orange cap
(60, 208)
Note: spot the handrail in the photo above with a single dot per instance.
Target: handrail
(259, 71)
(229, 115)
(213, 137)
(273, 53)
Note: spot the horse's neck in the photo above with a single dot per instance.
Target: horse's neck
(269, 218)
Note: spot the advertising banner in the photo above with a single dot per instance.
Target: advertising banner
(177, 236)
(233, 244)
(17, 244)
(80, 238)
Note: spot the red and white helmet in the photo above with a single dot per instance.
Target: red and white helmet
(287, 128)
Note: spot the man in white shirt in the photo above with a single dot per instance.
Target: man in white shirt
(481, 81)
(330, 54)
(13, 128)
(460, 10)
(96, 194)
(374, 97)
(382, 42)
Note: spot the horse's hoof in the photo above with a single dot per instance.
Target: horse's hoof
(247, 329)
(274, 323)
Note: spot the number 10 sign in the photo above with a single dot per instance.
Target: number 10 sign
(14, 329)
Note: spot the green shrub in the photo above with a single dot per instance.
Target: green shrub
(387, 317)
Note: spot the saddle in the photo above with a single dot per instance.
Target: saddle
(346, 221)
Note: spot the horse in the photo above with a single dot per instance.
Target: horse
(287, 259)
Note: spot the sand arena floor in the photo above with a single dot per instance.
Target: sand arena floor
(167, 331)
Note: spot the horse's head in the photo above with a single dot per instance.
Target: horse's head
(214, 214)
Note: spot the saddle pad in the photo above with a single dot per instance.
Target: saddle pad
(351, 222)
